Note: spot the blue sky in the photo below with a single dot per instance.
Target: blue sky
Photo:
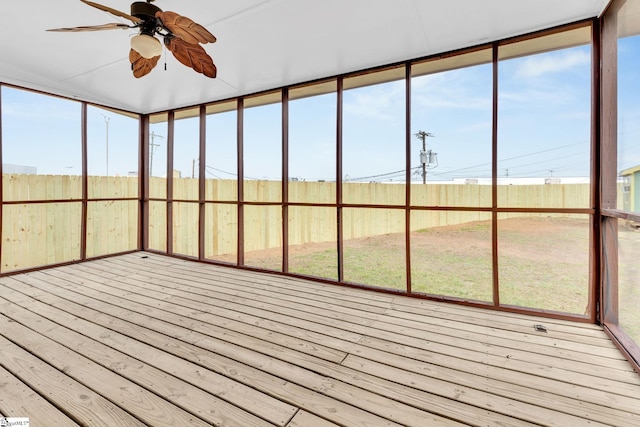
(544, 119)
(629, 103)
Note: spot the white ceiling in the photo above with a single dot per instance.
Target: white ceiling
(262, 44)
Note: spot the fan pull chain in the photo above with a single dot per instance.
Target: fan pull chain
(165, 56)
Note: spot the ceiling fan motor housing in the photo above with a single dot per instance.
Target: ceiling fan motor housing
(144, 10)
(147, 12)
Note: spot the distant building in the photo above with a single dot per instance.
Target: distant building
(519, 181)
(19, 169)
(631, 189)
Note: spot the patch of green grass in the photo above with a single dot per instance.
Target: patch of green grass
(375, 264)
(443, 272)
(323, 263)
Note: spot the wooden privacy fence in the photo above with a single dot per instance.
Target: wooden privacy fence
(46, 233)
(36, 234)
(263, 224)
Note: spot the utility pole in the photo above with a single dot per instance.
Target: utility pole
(424, 156)
(152, 145)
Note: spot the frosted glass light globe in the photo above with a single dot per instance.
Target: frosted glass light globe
(147, 46)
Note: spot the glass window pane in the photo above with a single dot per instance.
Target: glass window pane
(374, 247)
(629, 278)
(629, 123)
(158, 133)
(451, 123)
(628, 169)
(221, 232)
(112, 143)
(112, 150)
(263, 149)
(185, 228)
(40, 234)
(41, 136)
(263, 237)
(544, 125)
(112, 227)
(374, 139)
(312, 241)
(317, 192)
(312, 145)
(222, 152)
(544, 261)
(158, 226)
(451, 254)
(186, 155)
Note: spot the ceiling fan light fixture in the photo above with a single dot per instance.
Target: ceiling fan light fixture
(147, 46)
(182, 37)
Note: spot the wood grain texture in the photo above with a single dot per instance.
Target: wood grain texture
(185, 28)
(113, 11)
(55, 384)
(140, 65)
(112, 26)
(281, 351)
(18, 400)
(192, 55)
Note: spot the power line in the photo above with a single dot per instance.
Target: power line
(228, 173)
(382, 175)
(483, 171)
(220, 170)
(508, 159)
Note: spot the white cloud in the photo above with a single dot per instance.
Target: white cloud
(457, 89)
(380, 102)
(536, 66)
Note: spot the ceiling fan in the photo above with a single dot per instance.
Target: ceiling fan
(180, 34)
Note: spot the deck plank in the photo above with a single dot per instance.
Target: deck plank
(186, 385)
(394, 318)
(268, 350)
(305, 419)
(179, 294)
(585, 392)
(233, 282)
(340, 295)
(546, 344)
(18, 399)
(79, 401)
(425, 401)
(314, 398)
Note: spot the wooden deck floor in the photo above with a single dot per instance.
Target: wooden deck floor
(143, 339)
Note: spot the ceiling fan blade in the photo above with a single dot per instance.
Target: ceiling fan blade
(192, 55)
(113, 11)
(140, 65)
(185, 28)
(93, 28)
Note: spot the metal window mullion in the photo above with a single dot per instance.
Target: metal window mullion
(202, 182)
(240, 204)
(285, 180)
(170, 151)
